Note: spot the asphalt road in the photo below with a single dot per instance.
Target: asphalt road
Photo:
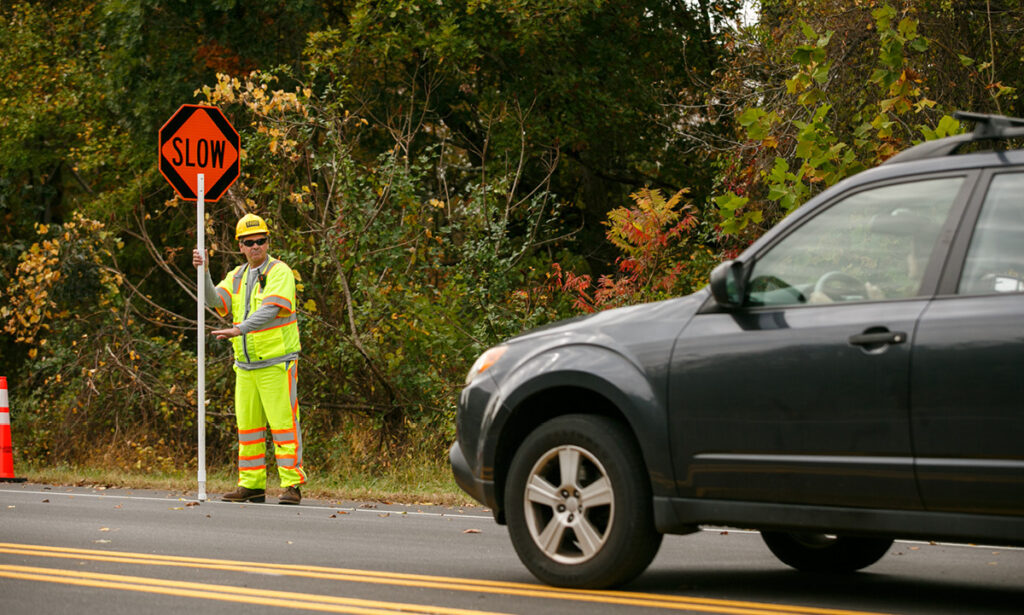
(91, 551)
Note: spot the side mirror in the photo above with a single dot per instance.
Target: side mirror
(727, 284)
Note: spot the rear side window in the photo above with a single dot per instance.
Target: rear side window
(872, 245)
(995, 258)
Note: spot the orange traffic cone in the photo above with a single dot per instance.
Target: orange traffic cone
(6, 452)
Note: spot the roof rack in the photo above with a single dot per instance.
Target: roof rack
(986, 128)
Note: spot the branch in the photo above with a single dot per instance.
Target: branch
(355, 333)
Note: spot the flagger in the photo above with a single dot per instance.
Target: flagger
(259, 295)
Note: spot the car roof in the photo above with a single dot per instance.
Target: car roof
(994, 128)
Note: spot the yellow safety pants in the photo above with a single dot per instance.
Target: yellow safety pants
(262, 396)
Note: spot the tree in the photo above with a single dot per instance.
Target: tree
(576, 90)
(822, 91)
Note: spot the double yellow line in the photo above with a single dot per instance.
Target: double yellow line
(352, 605)
(226, 593)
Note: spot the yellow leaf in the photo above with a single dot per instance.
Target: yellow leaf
(309, 306)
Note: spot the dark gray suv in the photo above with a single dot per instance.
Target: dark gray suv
(855, 376)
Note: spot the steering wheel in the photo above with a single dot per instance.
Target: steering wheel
(840, 286)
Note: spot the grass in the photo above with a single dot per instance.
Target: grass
(414, 483)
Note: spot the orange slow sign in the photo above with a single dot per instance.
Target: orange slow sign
(199, 139)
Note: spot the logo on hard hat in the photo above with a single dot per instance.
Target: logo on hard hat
(252, 223)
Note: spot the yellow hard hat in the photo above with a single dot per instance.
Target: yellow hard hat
(250, 224)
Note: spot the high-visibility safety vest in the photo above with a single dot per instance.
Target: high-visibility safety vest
(276, 286)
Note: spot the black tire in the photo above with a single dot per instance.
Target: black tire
(826, 553)
(593, 530)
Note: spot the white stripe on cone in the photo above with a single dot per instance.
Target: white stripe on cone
(5, 411)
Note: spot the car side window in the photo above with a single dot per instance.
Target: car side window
(995, 258)
(872, 245)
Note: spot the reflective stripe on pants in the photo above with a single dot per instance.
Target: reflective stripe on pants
(262, 396)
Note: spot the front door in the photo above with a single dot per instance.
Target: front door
(802, 396)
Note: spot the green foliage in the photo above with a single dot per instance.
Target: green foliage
(832, 121)
(576, 92)
(57, 143)
(65, 303)
(423, 165)
(401, 282)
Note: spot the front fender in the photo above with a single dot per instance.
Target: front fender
(562, 380)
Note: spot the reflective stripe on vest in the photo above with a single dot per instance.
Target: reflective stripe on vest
(236, 282)
(282, 302)
(225, 301)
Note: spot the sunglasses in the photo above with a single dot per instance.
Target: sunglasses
(254, 242)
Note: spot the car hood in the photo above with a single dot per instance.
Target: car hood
(626, 325)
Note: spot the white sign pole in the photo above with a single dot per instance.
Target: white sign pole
(201, 334)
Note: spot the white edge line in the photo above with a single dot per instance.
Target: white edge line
(398, 512)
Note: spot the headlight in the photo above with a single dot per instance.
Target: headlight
(484, 361)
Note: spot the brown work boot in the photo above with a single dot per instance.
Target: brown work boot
(291, 495)
(243, 494)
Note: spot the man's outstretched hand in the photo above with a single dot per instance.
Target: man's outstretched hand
(223, 334)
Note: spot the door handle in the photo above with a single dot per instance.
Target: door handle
(878, 338)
